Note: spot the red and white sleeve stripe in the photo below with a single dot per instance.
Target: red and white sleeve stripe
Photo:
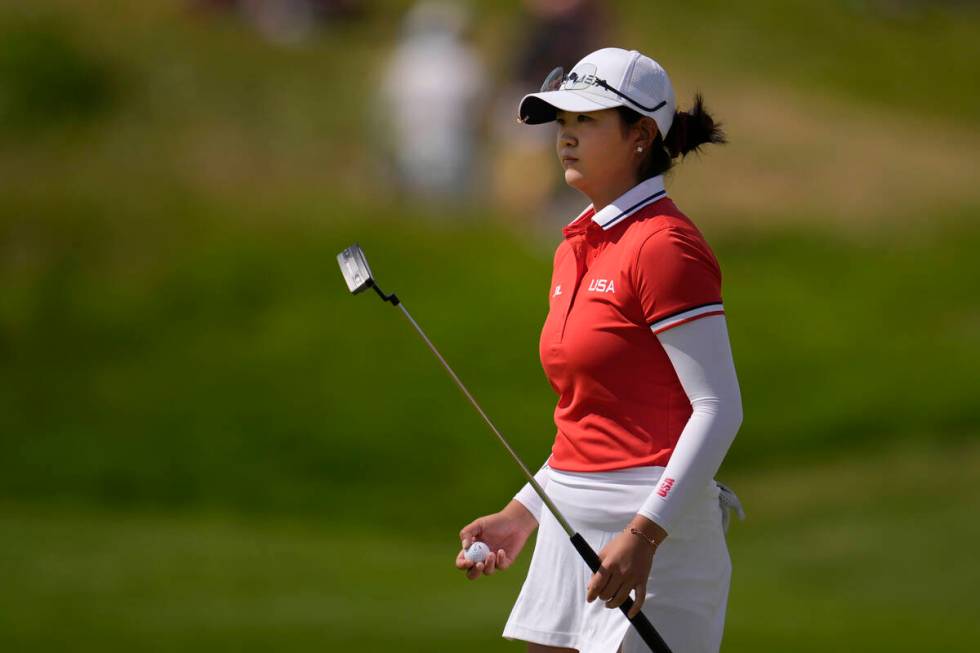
(687, 315)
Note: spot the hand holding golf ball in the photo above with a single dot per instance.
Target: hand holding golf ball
(476, 559)
(492, 542)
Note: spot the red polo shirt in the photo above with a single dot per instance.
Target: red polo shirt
(636, 268)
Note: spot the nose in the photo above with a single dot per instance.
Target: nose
(566, 138)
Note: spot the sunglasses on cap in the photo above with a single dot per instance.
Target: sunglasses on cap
(558, 80)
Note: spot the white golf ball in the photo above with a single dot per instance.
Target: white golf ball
(477, 552)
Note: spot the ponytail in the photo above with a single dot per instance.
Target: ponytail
(692, 129)
(688, 132)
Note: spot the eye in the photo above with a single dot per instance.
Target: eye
(583, 118)
(560, 121)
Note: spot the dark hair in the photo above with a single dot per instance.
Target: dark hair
(689, 131)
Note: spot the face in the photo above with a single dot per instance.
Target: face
(595, 152)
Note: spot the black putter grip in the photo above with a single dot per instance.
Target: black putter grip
(640, 621)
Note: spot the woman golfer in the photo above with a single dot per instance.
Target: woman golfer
(636, 346)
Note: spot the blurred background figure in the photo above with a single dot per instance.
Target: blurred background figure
(429, 101)
(526, 181)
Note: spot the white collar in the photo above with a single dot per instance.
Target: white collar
(646, 192)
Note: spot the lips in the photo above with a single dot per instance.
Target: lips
(568, 159)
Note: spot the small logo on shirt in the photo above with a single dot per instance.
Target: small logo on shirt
(557, 290)
(665, 487)
(601, 285)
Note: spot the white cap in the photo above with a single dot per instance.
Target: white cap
(638, 77)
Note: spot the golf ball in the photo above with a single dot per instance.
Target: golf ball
(477, 552)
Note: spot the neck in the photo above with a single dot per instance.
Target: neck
(602, 198)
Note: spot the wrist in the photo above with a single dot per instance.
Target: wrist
(518, 511)
(650, 529)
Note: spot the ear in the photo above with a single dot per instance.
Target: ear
(646, 131)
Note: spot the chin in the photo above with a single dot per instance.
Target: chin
(574, 178)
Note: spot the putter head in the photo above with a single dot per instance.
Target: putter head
(354, 267)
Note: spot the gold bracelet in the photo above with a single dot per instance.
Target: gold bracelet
(652, 542)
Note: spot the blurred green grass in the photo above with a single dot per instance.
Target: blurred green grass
(823, 562)
(910, 56)
(200, 100)
(239, 372)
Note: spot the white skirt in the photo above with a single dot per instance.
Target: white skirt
(687, 591)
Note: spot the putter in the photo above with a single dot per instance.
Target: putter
(357, 274)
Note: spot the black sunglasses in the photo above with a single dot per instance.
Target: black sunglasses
(572, 82)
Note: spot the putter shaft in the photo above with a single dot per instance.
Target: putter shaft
(493, 427)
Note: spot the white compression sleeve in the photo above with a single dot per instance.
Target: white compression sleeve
(529, 498)
(702, 357)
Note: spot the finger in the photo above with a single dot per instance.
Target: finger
(640, 595)
(490, 564)
(597, 583)
(611, 588)
(471, 532)
(462, 562)
(621, 595)
(475, 571)
(502, 560)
